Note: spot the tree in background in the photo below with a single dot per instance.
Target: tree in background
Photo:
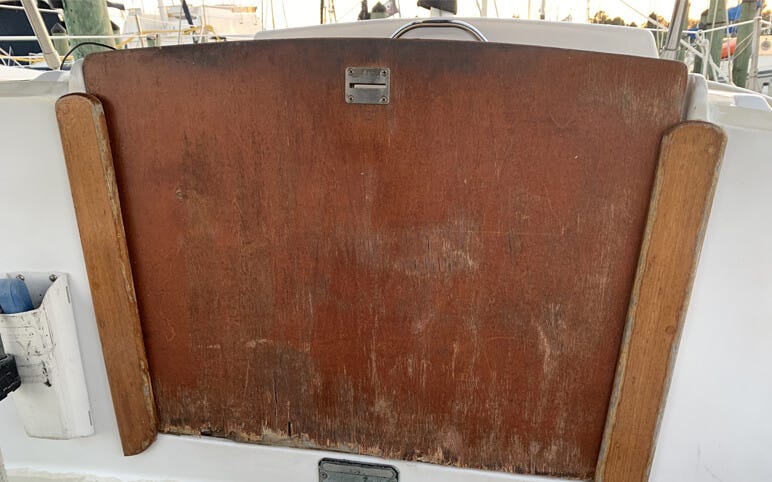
(602, 18)
(654, 22)
(656, 19)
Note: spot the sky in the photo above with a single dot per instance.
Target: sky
(306, 12)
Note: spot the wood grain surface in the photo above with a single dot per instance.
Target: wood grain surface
(444, 278)
(97, 207)
(683, 194)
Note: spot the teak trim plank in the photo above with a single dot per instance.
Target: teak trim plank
(89, 162)
(686, 177)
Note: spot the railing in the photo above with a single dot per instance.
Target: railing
(701, 48)
(143, 38)
(53, 59)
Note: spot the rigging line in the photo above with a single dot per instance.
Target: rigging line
(742, 45)
(77, 46)
(715, 12)
(653, 20)
(348, 12)
(10, 57)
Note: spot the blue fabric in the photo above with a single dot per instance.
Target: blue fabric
(733, 15)
(14, 296)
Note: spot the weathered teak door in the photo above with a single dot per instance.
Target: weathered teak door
(442, 276)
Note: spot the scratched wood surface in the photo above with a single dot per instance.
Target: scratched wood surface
(444, 278)
(686, 179)
(86, 148)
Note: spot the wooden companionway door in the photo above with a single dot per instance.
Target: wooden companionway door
(442, 277)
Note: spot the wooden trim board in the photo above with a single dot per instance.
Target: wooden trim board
(95, 195)
(688, 168)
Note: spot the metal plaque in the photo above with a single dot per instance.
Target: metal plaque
(367, 85)
(332, 470)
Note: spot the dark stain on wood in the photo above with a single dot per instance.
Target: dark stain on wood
(444, 278)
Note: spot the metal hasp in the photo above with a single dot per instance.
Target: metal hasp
(367, 85)
(331, 470)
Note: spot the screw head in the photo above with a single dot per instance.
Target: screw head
(20, 277)
(384, 73)
(53, 278)
(350, 71)
(323, 475)
(350, 98)
(384, 100)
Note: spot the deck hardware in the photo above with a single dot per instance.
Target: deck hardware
(368, 85)
(440, 23)
(333, 470)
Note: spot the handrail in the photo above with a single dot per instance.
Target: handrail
(21, 38)
(41, 32)
(16, 7)
(440, 22)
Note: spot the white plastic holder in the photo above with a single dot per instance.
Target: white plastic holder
(52, 400)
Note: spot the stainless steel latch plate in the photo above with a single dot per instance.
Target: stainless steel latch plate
(368, 85)
(332, 470)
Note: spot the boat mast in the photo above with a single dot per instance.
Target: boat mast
(327, 11)
(673, 38)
